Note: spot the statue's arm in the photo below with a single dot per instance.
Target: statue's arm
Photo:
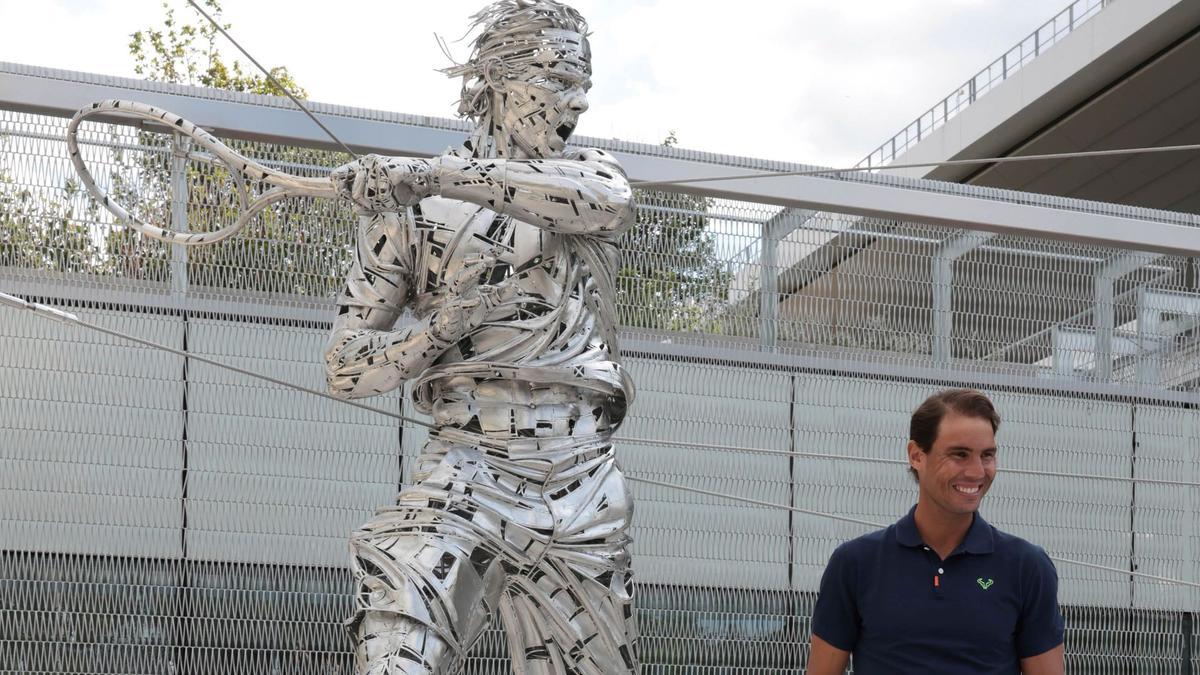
(364, 356)
(585, 192)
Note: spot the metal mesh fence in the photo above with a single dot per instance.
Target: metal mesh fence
(715, 271)
(160, 515)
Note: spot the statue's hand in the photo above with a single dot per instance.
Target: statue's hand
(375, 183)
(461, 314)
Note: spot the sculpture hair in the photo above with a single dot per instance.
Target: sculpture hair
(515, 35)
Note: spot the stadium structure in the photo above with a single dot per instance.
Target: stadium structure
(159, 514)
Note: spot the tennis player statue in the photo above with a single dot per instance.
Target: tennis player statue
(504, 251)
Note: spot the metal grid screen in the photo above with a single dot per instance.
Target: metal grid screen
(159, 515)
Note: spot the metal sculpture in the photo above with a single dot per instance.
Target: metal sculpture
(504, 251)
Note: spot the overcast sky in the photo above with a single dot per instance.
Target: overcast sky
(813, 81)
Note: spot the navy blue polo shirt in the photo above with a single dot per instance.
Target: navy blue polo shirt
(887, 598)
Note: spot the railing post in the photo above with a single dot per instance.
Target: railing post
(774, 231)
(768, 288)
(1103, 312)
(1103, 317)
(950, 250)
(180, 146)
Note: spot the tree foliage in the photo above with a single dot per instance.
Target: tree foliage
(59, 230)
(187, 53)
(285, 249)
(40, 233)
(670, 276)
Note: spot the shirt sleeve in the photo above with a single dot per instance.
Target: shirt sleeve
(835, 618)
(1040, 627)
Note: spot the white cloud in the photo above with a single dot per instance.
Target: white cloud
(808, 81)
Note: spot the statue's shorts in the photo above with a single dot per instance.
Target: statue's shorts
(531, 528)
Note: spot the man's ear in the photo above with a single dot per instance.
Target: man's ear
(493, 75)
(916, 456)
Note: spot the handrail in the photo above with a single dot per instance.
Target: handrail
(1049, 33)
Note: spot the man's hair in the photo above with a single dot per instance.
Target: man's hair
(515, 34)
(923, 427)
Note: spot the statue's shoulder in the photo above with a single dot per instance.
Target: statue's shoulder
(594, 155)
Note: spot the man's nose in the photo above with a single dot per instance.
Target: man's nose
(975, 467)
(578, 102)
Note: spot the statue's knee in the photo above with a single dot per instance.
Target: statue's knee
(386, 643)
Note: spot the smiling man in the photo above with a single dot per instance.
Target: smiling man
(941, 591)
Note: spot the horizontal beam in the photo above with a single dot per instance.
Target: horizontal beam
(921, 205)
(231, 119)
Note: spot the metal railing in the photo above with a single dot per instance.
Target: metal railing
(982, 82)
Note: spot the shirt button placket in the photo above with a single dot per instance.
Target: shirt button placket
(937, 578)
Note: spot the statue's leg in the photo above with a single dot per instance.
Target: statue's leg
(572, 611)
(428, 577)
(394, 644)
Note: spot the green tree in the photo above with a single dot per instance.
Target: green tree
(187, 53)
(670, 276)
(41, 233)
(298, 246)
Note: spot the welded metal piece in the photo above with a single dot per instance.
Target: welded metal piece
(504, 251)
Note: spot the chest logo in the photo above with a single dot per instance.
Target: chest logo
(984, 583)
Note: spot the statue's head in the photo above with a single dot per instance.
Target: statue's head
(528, 74)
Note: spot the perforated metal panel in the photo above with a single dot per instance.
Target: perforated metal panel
(90, 451)
(710, 542)
(1167, 542)
(275, 475)
(855, 418)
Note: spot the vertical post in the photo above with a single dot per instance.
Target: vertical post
(1004, 65)
(942, 273)
(943, 308)
(180, 146)
(1149, 325)
(1071, 17)
(971, 91)
(1103, 318)
(1037, 42)
(1185, 626)
(793, 479)
(768, 288)
(1104, 313)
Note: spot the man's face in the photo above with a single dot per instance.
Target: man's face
(541, 109)
(959, 468)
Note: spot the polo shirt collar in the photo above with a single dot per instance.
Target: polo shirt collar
(979, 539)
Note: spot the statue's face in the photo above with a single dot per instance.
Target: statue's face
(541, 109)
